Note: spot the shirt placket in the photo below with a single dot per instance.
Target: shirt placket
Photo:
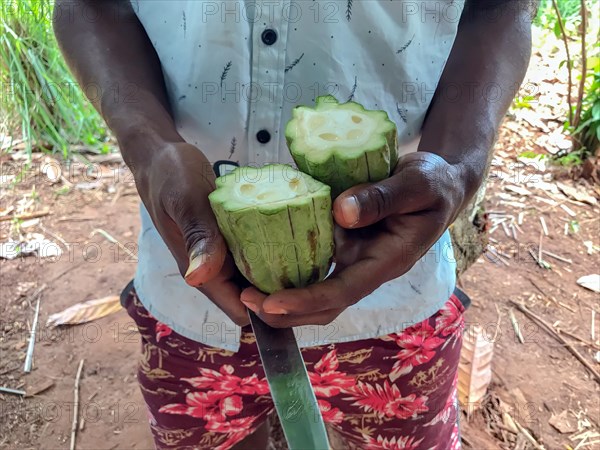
(265, 94)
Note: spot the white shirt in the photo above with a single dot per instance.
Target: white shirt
(236, 68)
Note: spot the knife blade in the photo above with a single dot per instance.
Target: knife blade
(292, 393)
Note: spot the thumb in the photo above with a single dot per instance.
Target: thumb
(205, 247)
(419, 181)
(206, 258)
(366, 204)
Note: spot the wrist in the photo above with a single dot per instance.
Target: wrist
(141, 124)
(459, 180)
(143, 137)
(467, 157)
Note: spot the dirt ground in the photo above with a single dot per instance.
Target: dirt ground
(536, 381)
(533, 380)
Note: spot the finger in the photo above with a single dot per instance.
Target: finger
(253, 298)
(226, 295)
(340, 290)
(206, 260)
(418, 182)
(287, 321)
(199, 234)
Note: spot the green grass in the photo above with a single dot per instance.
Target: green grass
(40, 100)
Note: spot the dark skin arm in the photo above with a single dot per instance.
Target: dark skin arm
(384, 228)
(114, 55)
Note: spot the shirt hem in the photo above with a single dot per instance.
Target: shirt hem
(184, 331)
(302, 344)
(379, 332)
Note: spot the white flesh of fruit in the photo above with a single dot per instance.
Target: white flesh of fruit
(338, 128)
(278, 186)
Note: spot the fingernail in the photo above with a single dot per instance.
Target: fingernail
(250, 306)
(274, 310)
(197, 258)
(350, 210)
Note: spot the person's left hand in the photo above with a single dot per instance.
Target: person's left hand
(382, 230)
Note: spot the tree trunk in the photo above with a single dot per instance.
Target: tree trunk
(469, 230)
(469, 236)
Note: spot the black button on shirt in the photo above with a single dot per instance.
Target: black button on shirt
(263, 136)
(269, 36)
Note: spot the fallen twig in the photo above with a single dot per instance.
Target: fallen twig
(537, 287)
(557, 336)
(29, 355)
(539, 262)
(117, 195)
(505, 228)
(494, 252)
(564, 305)
(76, 406)
(544, 227)
(568, 210)
(555, 256)
(74, 219)
(114, 241)
(497, 324)
(55, 236)
(528, 436)
(6, 390)
(513, 229)
(580, 339)
(517, 227)
(34, 215)
(515, 325)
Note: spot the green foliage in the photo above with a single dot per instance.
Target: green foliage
(40, 99)
(583, 122)
(569, 159)
(522, 102)
(546, 16)
(587, 133)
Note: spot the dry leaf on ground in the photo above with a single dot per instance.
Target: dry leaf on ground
(86, 311)
(563, 423)
(474, 368)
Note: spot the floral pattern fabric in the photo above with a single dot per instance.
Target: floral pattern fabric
(393, 392)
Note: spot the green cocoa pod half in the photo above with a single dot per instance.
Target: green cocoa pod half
(342, 144)
(277, 223)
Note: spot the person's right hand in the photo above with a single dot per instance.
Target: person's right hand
(174, 187)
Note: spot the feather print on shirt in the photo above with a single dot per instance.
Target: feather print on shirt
(225, 72)
(293, 64)
(405, 46)
(349, 11)
(402, 112)
(232, 148)
(353, 90)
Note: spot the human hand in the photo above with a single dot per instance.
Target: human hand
(174, 187)
(382, 230)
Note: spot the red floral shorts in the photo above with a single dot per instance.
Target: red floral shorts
(393, 392)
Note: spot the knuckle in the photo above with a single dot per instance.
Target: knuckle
(276, 321)
(194, 231)
(241, 321)
(379, 199)
(324, 319)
